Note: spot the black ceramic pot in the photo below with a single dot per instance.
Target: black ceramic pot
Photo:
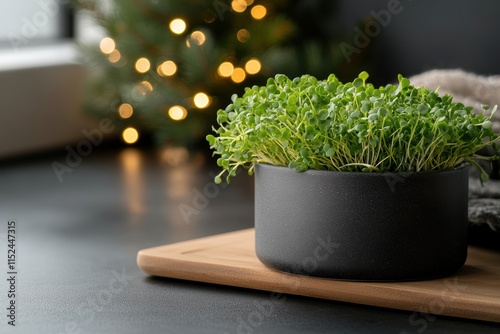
(362, 226)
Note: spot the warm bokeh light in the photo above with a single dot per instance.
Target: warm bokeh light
(125, 110)
(253, 66)
(107, 45)
(142, 65)
(147, 85)
(258, 12)
(248, 2)
(225, 69)
(177, 26)
(114, 56)
(143, 88)
(198, 37)
(238, 75)
(134, 183)
(175, 156)
(177, 113)
(243, 35)
(201, 100)
(239, 6)
(167, 68)
(130, 135)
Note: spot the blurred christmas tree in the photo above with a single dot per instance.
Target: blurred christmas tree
(166, 67)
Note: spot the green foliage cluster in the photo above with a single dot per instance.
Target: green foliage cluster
(307, 123)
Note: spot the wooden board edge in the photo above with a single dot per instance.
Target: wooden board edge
(181, 268)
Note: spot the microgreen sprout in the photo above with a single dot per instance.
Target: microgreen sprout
(306, 123)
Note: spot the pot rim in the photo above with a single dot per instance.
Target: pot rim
(462, 166)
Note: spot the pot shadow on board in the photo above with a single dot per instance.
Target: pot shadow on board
(483, 237)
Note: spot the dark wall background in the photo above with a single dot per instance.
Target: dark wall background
(426, 34)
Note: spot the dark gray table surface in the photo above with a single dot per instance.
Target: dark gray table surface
(78, 240)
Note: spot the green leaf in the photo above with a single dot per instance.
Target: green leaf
(373, 117)
(484, 176)
(363, 76)
(286, 134)
(403, 82)
(487, 125)
(330, 152)
(323, 115)
(422, 109)
(210, 139)
(358, 82)
(382, 112)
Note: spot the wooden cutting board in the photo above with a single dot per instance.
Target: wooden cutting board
(229, 259)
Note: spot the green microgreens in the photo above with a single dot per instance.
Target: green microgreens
(307, 123)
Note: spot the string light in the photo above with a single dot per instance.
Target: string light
(198, 37)
(239, 6)
(130, 135)
(125, 110)
(258, 12)
(243, 35)
(142, 88)
(147, 86)
(142, 65)
(167, 68)
(238, 75)
(253, 66)
(177, 113)
(177, 26)
(225, 69)
(201, 100)
(114, 56)
(107, 45)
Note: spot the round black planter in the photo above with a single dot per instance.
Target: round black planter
(362, 226)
